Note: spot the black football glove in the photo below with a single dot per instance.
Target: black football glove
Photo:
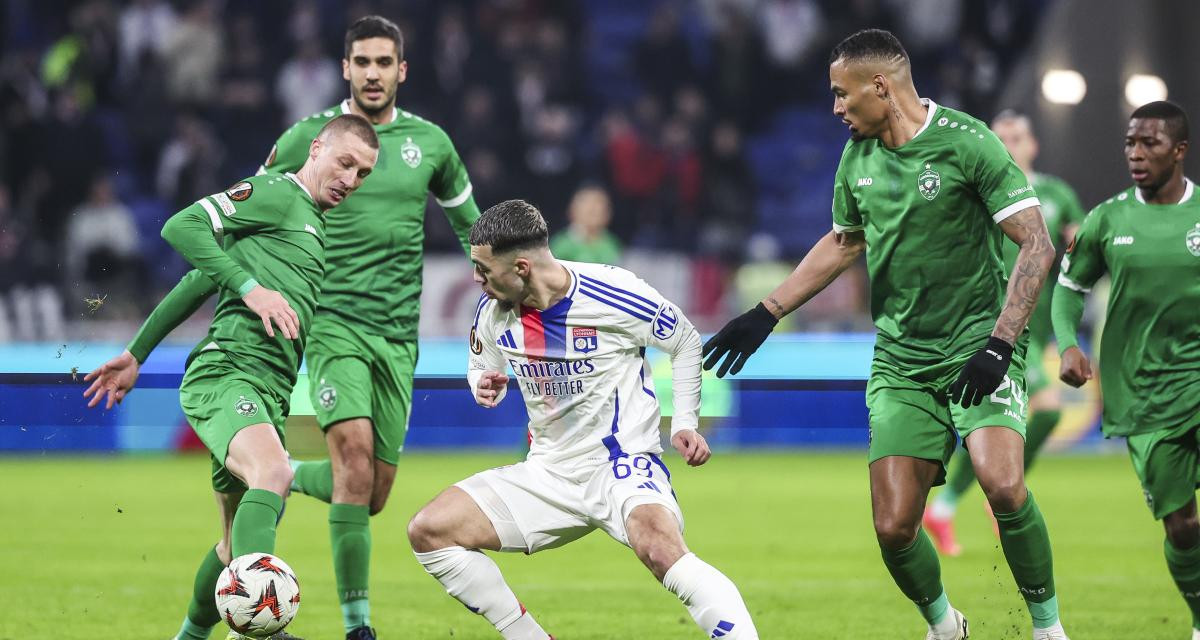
(739, 338)
(982, 374)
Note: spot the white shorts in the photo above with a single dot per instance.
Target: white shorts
(533, 508)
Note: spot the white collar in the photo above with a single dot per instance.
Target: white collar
(291, 176)
(346, 110)
(1188, 188)
(928, 117)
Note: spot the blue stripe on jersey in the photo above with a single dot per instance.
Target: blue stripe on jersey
(610, 441)
(554, 322)
(479, 308)
(596, 295)
(642, 379)
(632, 297)
(619, 297)
(574, 283)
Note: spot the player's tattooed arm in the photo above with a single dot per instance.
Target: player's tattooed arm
(1027, 228)
(832, 255)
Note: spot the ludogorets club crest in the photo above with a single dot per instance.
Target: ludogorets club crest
(929, 183)
(327, 396)
(1193, 240)
(411, 153)
(245, 407)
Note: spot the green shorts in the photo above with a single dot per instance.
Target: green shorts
(1167, 463)
(220, 400)
(354, 374)
(913, 416)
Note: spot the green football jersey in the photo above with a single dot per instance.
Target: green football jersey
(929, 210)
(265, 229)
(1061, 209)
(1150, 350)
(376, 236)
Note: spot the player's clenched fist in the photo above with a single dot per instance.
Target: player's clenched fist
(273, 308)
(982, 374)
(112, 379)
(692, 446)
(1075, 368)
(490, 390)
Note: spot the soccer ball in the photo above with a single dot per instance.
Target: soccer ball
(257, 595)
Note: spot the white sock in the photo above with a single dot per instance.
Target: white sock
(943, 508)
(1195, 634)
(947, 627)
(711, 598)
(1047, 631)
(474, 580)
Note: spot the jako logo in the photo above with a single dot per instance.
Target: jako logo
(1123, 240)
(864, 182)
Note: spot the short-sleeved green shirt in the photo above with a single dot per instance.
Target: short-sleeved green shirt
(376, 237)
(1150, 350)
(272, 228)
(929, 210)
(1061, 209)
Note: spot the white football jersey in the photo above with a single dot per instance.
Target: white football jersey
(581, 364)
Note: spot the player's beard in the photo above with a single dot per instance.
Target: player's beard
(389, 101)
(505, 305)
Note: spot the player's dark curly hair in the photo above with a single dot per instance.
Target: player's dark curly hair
(869, 44)
(509, 226)
(374, 27)
(1172, 115)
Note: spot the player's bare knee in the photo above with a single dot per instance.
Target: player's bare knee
(358, 480)
(660, 554)
(654, 536)
(1006, 495)
(273, 475)
(1183, 529)
(224, 551)
(426, 532)
(895, 532)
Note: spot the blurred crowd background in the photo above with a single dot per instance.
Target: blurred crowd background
(692, 139)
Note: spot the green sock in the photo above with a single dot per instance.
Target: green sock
(1037, 431)
(193, 631)
(1185, 569)
(960, 479)
(314, 478)
(1026, 544)
(202, 613)
(350, 535)
(254, 522)
(917, 572)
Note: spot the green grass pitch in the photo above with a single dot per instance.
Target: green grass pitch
(106, 547)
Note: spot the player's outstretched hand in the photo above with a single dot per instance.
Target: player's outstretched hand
(740, 338)
(982, 374)
(113, 380)
(487, 393)
(1075, 369)
(271, 307)
(692, 446)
